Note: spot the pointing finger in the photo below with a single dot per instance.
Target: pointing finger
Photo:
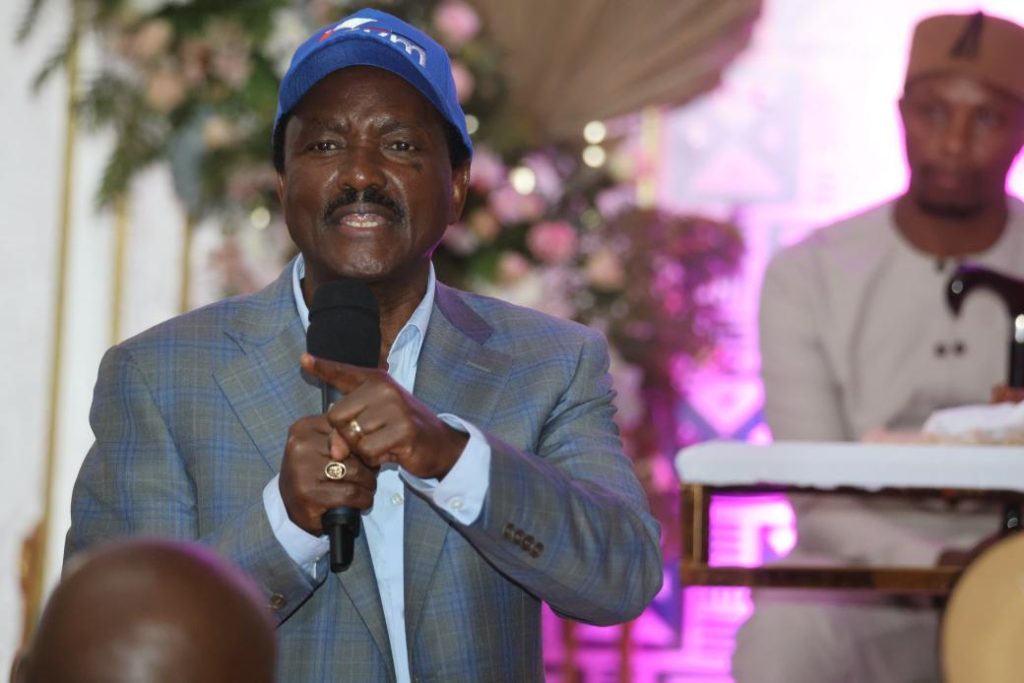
(345, 377)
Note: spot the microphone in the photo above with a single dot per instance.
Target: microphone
(344, 326)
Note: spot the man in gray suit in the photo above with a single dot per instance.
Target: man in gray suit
(481, 451)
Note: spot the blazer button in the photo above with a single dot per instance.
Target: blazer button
(527, 543)
(536, 550)
(509, 530)
(277, 601)
(517, 537)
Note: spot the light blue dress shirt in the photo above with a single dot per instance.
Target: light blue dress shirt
(461, 494)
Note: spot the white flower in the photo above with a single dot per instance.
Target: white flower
(288, 33)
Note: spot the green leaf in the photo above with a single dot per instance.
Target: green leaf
(28, 20)
(57, 60)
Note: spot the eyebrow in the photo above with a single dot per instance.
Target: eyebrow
(389, 125)
(332, 125)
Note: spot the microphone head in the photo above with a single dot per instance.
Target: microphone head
(344, 323)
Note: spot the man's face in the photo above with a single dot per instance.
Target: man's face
(961, 138)
(368, 187)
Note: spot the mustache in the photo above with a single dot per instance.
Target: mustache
(371, 195)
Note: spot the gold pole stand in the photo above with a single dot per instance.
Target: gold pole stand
(38, 557)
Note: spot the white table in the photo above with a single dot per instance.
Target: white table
(737, 468)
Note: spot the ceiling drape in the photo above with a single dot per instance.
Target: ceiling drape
(570, 62)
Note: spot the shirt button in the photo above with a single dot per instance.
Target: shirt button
(959, 348)
(277, 601)
(940, 349)
(396, 499)
(455, 503)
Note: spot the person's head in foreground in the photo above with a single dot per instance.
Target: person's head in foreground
(963, 112)
(151, 611)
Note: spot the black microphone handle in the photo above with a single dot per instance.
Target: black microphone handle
(341, 524)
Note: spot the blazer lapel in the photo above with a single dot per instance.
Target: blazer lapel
(456, 374)
(265, 387)
(360, 584)
(268, 392)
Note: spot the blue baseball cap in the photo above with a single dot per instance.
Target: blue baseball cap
(374, 38)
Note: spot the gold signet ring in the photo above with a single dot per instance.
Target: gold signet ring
(353, 426)
(335, 471)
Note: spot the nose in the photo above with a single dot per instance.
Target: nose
(360, 167)
(956, 136)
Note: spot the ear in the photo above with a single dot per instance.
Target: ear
(901, 104)
(280, 188)
(460, 190)
(1018, 124)
(19, 666)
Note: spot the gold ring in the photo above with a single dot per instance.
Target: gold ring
(355, 428)
(335, 471)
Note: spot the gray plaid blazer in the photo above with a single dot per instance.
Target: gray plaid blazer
(190, 420)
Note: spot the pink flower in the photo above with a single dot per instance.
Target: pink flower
(152, 39)
(218, 133)
(552, 242)
(457, 22)
(246, 183)
(511, 207)
(230, 57)
(614, 200)
(484, 225)
(232, 66)
(549, 183)
(512, 267)
(194, 55)
(460, 240)
(628, 383)
(464, 81)
(165, 91)
(487, 171)
(604, 270)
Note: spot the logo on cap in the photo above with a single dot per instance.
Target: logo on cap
(360, 24)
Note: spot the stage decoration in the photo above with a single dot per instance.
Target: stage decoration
(551, 220)
(548, 222)
(568, 63)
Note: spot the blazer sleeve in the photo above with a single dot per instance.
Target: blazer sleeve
(572, 526)
(134, 481)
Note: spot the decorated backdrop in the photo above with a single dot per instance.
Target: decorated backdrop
(559, 217)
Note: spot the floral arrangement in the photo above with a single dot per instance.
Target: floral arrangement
(194, 84)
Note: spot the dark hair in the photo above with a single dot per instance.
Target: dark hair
(457, 152)
(277, 142)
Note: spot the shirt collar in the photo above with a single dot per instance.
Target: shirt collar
(417, 322)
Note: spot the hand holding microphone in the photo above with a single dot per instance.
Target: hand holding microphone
(331, 460)
(393, 425)
(344, 326)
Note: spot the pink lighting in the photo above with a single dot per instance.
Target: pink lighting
(781, 540)
(803, 131)
(742, 527)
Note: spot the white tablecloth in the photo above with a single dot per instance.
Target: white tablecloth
(865, 466)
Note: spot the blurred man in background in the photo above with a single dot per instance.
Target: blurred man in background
(856, 338)
(151, 611)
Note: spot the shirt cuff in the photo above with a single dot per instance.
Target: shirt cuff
(462, 492)
(304, 548)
